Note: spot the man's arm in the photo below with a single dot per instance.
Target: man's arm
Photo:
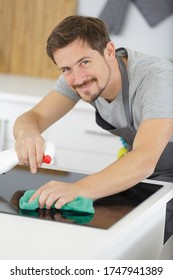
(29, 126)
(150, 141)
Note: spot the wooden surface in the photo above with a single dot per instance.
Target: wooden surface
(24, 28)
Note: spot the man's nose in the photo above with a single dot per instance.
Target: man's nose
(77, 77)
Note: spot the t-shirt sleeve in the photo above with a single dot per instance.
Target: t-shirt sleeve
(157, 95)
(63, 88)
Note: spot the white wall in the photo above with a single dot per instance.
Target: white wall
(136, 33)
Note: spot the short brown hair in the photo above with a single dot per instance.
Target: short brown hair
(91, 30)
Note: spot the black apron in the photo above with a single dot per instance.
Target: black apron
(164, 167)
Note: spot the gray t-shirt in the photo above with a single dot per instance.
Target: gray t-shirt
(150, 91)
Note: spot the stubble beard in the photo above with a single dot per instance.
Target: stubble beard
(91, 97)
(88, 97)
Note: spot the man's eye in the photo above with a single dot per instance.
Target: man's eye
(84, 62)
(65, 70)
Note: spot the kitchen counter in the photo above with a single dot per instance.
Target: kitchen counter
(131, 237)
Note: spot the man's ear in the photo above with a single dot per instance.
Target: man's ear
(110, 50)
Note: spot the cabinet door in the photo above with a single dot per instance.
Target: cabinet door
(10, 108)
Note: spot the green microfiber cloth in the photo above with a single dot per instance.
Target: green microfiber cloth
(77, 217)
(79, 204)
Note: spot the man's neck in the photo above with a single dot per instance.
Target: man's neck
(115, 84)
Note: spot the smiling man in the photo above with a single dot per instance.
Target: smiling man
(133, 97)
(83, 71)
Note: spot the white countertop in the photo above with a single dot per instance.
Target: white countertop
(130, 238)
(25, 85)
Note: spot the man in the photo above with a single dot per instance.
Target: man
(133, 96)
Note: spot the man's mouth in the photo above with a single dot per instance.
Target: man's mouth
(84, 85)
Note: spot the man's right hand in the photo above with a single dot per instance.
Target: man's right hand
(29, 126)
(30, 150)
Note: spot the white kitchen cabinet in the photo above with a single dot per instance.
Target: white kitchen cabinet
(18, 94)
(11, 106)
(81, 145)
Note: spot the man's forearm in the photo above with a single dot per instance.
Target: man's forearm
(117, 177)
(26, 124)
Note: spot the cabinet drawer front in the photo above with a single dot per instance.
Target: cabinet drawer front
(9, 111)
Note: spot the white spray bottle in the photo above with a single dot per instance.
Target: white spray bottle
(9, 159)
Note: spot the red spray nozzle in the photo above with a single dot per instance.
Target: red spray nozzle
(47, 159)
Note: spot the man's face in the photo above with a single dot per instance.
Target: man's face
(85, 70)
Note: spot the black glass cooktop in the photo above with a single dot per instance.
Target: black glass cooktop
(108, 210)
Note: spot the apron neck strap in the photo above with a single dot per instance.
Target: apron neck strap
(125, 89)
